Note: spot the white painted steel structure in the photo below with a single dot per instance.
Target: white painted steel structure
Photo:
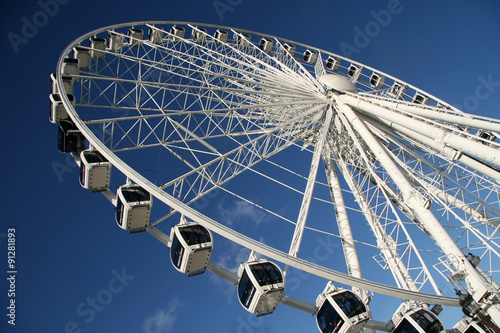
(188, 113)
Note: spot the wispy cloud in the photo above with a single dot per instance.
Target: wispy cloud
(240, 211)
(163, 320)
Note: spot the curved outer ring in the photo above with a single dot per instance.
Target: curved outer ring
(217, 227)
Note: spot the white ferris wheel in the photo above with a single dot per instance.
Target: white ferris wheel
(316, 143)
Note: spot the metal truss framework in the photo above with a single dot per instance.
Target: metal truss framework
(185, 116)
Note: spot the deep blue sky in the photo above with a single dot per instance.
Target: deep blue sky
(68, 248)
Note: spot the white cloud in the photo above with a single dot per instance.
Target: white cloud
(241, 211)
(163, 320)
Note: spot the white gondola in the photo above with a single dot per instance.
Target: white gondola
(70, 139)
(135, 36)
(332, 63)
(221, 35)
(260, 286)
(133, 208)
(377, 80)
(67, 84)
(95, 171)
(398, 90)
(156, 35)
(199, 35)
(310, 56)
(340, 311)
(57, 110)
(468, 325)
(178, 33)
(115, 42)
(70, 66)
(97, 48)
(487, 138)
(266, 44)
(242, 40)
(191, 248)
(354, 72)
(420, 99)
(83, 56)
(417, 320)
(290, 49)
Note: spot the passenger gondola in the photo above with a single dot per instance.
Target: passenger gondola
(70, 139)
(83, 56)
(135, 36)
(97, 48)
(115, 42)
(418, 320)
(133, 208)
(340, 311)
(177, 33)
(156, 35)
(289, 49)
(468, 325)
(67, 84)
(260, 286)
(70, 67)
(95, 171)
(57, 110)
(221, 36)
(191, 248)
(199, 35)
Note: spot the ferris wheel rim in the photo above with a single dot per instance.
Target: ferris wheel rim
(188, 211)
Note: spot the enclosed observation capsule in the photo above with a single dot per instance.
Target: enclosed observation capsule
(266, 44)
(97, 48)
(468, 325)
(260, 286)
(354, 72)
(57, 110)
(290, 49)
(420, 99)
(333, 63)
(398, 90)
(221, 35)
(178, 33)
(83, 56)
(95, 170)
(70, 139)
(70, 66)
(419, 320)
(340, 311)
(133, 208)
(310, 56)
(67, 82)
(191, 248)
(199, 35)
(115, 42)
(377, 80)
(135, 36)
(243, 40)
(156, 35)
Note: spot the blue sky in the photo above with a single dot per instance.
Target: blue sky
(69, 250)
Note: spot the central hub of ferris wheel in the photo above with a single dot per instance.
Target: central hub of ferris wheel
(338, 83)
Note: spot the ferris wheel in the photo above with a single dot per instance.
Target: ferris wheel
(312, 144)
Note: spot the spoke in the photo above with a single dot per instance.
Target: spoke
(306, 201)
